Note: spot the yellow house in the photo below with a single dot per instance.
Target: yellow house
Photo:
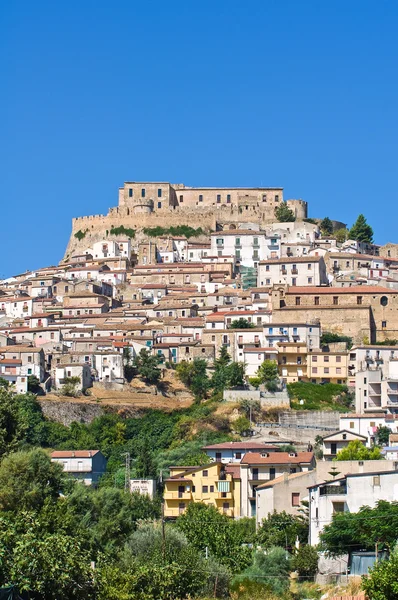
(292, 361)
(327, 367)
(215, 484)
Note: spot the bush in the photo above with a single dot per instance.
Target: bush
(178, 230)
(305, 561)
(330, 396)
(80, 234)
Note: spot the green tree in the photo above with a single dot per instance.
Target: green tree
(282, 529)
(147, 366)
(144, 465)
(382, 581)
(47, 565)
(241, 425)
(326, 226)
(362, 530)
(268, 374)
(205, 527)
(305, 561)
(341, 235)
(194, 375)
(355, 450)
(241, 323)
(283, 213)
(361, 231)
(27, 479)
(223, 359)
(383, 435)
(271, 569)
(34, 384)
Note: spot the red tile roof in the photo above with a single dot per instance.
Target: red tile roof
(277, 458)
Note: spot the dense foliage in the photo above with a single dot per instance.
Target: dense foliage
(362, 530)
(382, 581)
(122, 230)
(283, 213)
(355, 450)
(361, 231)
(179, 230)
(331, 338)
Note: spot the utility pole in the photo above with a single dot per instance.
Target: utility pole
(127, 475)
(163, 536)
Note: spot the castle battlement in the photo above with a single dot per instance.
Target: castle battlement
(152, 204)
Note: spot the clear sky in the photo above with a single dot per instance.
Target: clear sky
(294, 93)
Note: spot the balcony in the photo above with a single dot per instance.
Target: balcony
(333, 490)
(289, 253)
(294, 272)
(238, 245)
(255, 257)
(284, 272)
(177, 495)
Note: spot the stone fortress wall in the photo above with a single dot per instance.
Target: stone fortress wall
(149, 204)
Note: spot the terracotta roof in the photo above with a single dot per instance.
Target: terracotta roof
(280, 479)
(278, 458)
(74, 453)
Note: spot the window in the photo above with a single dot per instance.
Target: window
(310, 280)
(212, 489)
(205, 473)
(218, 198)
(326, 359)
(309, 266)
(295, 499)
(335, 300)
(384, 300)
(228, 198)
(205, 489)
(316, 300)
(352, 425)
(338, 370)
(326, 370)
(338, 359)
(376, 480)
(237, 241)
(159, 193)
(338, 507)
(181, 199)
(267, 267)
(130, 193)
(277, 198)
(159, 205)
(315, 370)
(384, 324)
(181, 507)
(238, 455)
(225, 507)
(359, 299)
(143, 193)
(200, 198)
(298, 300)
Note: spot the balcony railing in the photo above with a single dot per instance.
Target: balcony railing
(333, 490)
(294, 271)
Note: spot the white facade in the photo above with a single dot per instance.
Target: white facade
(17, 308)
(248, 247)
(348, 494)
(109, 366)
(82, 371)
(304, 271)
(367, 424)
(145, 487)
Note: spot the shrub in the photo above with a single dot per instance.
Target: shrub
(80, 234)
(121, 230)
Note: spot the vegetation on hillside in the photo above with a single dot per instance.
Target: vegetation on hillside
(178, 230)
(80, 234)
(283, 213)
(122, 230)
(312, 396)
(331, 338)
(361, 231)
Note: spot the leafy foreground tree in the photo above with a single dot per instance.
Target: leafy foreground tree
(267, 373)
(28, 479)
(383, 435)
(362, 530)
(227, 374)
(283, 213)
(355, 450)
(281, 529)
(204, 527)
(361, 231)
(382, 581)
(194, 375)
(49, 565)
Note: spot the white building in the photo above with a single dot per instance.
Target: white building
(376, 378)
(248, 246)
(82, 371)
(367, 424)
(348, 494)
(109, 366)
(296, 271)
(85, 465)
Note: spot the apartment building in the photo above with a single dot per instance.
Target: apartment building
(247, 246)
(376, 378)
(294, 271)
(215, 484)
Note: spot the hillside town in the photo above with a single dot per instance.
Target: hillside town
(144, 300)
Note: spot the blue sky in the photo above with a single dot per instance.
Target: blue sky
(299, 94)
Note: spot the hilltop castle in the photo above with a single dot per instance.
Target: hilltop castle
(151, 204)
